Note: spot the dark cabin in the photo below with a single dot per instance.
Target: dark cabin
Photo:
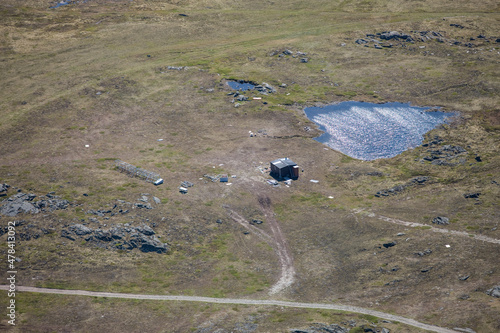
(284, 167)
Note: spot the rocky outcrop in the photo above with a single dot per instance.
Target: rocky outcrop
(420, 180)
(322, 328)
(123, 237)
(441, 220)
(3, 189)
(447, 155)
(495, 291)
(404, 39)
(25, 203)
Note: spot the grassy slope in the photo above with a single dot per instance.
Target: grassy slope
(55, 61)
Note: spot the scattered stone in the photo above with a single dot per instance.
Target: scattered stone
(304, 60)
(254, 221)
(472, 195)
(146, 206)
(424, 253)
(80, 229)
(322, 328)
(442, 220)
(157, 200)
(420, 180)
(495, 291)
(388, 245)
(425, 270)
(3, 189)
(463, 278)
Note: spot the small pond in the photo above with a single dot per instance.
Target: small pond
(240, 85)
(368, 131)
(67, 2)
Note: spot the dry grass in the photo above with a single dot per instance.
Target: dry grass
(95, 74)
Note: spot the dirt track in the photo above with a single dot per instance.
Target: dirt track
(277, 241)
(434, 229)
(241, 301)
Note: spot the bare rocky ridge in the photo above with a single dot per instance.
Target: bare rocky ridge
(26, 203)
(122, 237)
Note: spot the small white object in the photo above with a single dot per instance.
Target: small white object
(86, 146)
(257, 98)
(221, 164)
(229, 183)
(448, 246)
(160, 139)
(330, 197)
(314, 181)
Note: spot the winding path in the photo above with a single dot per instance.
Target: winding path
(434, 229)
(241, 301)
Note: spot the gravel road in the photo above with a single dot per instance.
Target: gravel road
(241, 301)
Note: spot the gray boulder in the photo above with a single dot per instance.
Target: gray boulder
(4, 188)
(147, 244)
(16, 206)
(80, 229)
(103, 235)
(145, 229)
(495, 291)
(442, 220)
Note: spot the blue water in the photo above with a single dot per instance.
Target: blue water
(237, 85)
(67, 2)
(368, 131)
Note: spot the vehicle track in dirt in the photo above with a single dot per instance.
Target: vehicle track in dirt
(241, 301)
(433, 229)
(276, 240)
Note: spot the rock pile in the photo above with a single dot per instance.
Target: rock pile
(287, 52)
(386, 39)
(123, 237)
(322, 328)
(441, 220)
(447, 155)
(495, 291)
(26, 203)
(420, 180)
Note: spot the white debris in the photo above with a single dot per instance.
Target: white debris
(314, 181)
(448, 246)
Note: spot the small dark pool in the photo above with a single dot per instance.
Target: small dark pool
(240, 85)
(368, 131)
